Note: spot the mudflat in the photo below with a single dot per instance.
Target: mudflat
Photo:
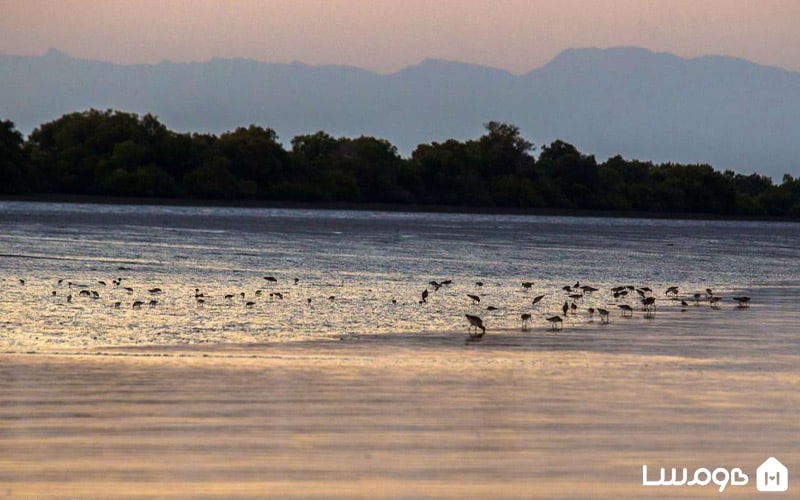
(385, 418)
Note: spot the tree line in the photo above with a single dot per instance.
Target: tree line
(113, 153)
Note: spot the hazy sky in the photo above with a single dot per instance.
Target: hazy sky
(383, 35)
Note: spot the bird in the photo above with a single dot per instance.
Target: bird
(603, 314)
(709, 292)
(588, 289)
(270, 279)
(649, 303)
(21, 281)
(424, 297)
(591, 312)
(479, 283)
(137, 304)
(565, 308)
(491, 308)
(129, 289)
(743, 301)
(332, 298)
(153, 303)
(475, 322)
(296, 280)
(673, 290)
(573, 307)
(625, 308)
(228, 296)
(475, 298)
(537, 299)
(526, 317)
(155, 291)
(555, 322)
(714, 302)
(200, 302)
(527, 285)
(102, 283)
(279, 295)
(117, 304)
(250, 303)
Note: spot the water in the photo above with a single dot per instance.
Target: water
(375, 266)
(361, 396)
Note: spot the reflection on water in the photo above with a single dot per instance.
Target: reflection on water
(361, 273)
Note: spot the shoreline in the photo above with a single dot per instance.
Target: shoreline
(383, 207)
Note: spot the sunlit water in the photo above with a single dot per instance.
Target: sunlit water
(364, 273)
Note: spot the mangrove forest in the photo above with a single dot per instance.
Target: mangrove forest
(118, 154)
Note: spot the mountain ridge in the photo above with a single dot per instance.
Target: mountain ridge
(721, 110)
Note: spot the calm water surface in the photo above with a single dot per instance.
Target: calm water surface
(375, 266)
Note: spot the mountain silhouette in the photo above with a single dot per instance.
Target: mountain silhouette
(728, 112)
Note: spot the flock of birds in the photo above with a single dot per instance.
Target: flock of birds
(85, 290)
(573, 298)
(576, 293)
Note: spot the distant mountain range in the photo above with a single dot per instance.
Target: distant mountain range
(728, 112)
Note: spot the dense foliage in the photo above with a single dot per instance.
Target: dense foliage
(121, 154)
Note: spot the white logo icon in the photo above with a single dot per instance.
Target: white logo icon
(772, 476)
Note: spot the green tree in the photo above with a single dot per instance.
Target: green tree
(256, 157)
(13, 160)
(451, 174)
(503, 151)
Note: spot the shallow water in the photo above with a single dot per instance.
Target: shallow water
(364, 272)
(362, 397)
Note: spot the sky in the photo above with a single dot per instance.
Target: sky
(386, 36)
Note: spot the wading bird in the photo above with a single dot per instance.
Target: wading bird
(526, 317)
(475, 322)
(743, 301)
(555, 322)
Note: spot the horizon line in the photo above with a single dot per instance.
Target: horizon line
(56, 51)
